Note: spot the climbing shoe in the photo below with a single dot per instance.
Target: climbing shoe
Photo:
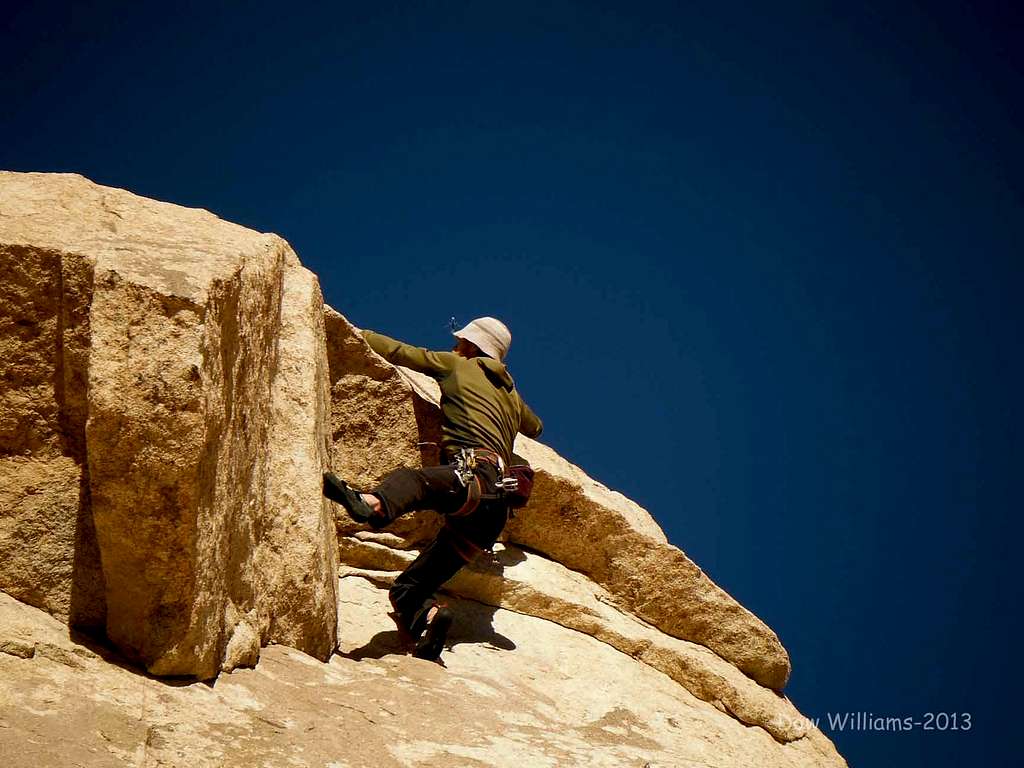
(432, 643)
(337, 490)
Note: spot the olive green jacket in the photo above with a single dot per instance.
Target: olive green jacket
(480, 406)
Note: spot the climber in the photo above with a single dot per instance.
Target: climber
(476, 487)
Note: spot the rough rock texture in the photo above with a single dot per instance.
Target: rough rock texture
(535, 586)
(571, 518)
(298, 553)
(160, 369)
(588, 528)
(48, 551)
(376, 423)
(171, 389)
(517, 691)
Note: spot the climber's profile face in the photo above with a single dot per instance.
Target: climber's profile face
(466, 349)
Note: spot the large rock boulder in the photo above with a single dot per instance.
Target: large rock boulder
(171, 389)
(164, 427)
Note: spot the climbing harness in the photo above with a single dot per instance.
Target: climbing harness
(466, 461)
(513, 484)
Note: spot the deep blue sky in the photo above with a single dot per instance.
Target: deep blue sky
(762, 265)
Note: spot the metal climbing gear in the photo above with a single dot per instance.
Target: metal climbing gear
(466, 460)
(513, 484)
(464, 464)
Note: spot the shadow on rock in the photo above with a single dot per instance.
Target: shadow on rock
(388, 643)
(507, 555)
(474, 624)
(101, 647)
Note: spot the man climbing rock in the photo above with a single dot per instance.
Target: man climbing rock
(476, 486)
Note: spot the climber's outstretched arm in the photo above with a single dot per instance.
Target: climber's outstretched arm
(436, 364)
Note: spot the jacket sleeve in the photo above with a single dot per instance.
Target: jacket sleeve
(436, 364)
(529, 424)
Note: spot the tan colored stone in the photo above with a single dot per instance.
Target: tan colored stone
(171, 389)
(588, 528)
(39, 496)
(298, 553)
(16, 647)
(48, 551)
(516, 691)
(375, 423)
(535, 586)
(178, 360)
(243, 649)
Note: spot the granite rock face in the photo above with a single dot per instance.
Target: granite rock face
(161, 369)
(516, 691)
(575, 520)
(533, 585)
(48, 550)
(171, 390)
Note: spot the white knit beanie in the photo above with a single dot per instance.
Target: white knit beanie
(491, 336)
